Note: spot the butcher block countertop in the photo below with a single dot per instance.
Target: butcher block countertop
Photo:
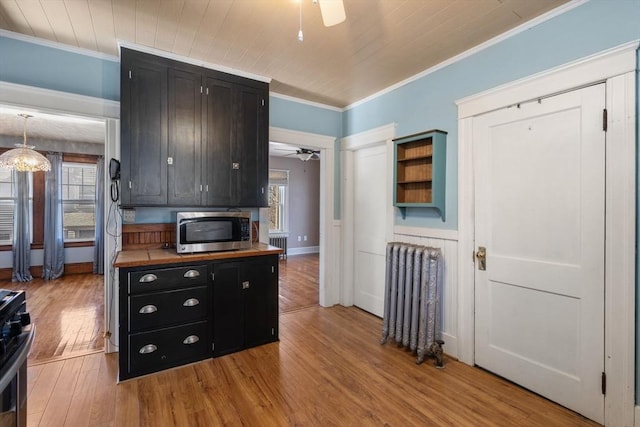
(142, 257)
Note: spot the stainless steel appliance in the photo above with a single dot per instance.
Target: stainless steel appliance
(15, 343)
(213, 231)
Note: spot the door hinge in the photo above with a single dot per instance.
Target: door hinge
(273, 331)
(273, 269)
(263, 102)
(604, 383)
(207, 91)
(604, 120)
(213, 346)
(212, 276)
(129, 74)
(201, 90)
(130, 186)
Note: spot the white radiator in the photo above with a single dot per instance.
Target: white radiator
(412, 299)
(279, 241)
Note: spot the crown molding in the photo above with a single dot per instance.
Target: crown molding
(57, 45)
(306, 102)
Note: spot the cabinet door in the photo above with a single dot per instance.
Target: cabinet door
(144, 130)
(251, 147)
(261, 301)
(184, 147)
(218, 134)
(228, 308)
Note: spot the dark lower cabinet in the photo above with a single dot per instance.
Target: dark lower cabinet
(171, 315)
(245, 304)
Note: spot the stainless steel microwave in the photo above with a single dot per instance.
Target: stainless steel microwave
(213, 231)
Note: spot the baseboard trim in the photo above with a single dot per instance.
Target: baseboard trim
(36, 270)
(302, 251)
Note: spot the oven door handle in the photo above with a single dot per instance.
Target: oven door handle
(12, 366)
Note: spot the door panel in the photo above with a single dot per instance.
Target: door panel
(185, 115)
(370, 208)
(539, 209)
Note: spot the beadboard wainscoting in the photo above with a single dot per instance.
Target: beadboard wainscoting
(447, 241)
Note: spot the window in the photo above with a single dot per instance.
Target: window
(7, 203)
(78, 201)
(278, 200)
(7, 206)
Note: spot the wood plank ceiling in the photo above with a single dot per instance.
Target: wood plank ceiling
(382, 42)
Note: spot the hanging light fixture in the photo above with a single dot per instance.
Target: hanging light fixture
(24, 158)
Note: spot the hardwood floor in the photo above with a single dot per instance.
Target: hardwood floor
(68, 314)
(327, 369)
(299, 282)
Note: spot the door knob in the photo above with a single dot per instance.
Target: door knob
(482, 258)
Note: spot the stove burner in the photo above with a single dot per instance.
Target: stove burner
(13, 317)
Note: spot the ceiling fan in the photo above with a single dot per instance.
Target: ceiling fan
(332, 11)
(306, 154)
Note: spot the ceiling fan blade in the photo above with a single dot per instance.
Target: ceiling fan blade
(332, 12)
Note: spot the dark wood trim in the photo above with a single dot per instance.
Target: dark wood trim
(87, 244)
(36, 270)
(79, 158)
(148, 236)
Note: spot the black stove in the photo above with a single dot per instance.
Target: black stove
(13, 318)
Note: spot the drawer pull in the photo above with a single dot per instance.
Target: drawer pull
(149, 348)
(190, 274)
(191, 339)
(147, 278)
(191, 302)
(148, 309)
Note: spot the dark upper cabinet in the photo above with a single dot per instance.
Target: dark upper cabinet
(219, 134)
(191, 136)
(185, 148)
(144, 139)
(251, 153)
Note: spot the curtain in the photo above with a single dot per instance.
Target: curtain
(98, 249)
(21, 230)
(53, 255)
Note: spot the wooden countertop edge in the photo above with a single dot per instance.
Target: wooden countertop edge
(144, 257)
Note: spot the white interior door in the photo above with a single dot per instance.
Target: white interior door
(370, 222)
(539, 212)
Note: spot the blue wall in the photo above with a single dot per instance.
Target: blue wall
(429, 102)
(44, 67)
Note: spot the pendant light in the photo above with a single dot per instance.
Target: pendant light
(24, 158)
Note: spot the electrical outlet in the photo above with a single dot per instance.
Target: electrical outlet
(305, 238)
(129, 216)
(299, 239)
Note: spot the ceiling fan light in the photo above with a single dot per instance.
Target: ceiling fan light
(24, 158)
(332, 12)
(304, 156)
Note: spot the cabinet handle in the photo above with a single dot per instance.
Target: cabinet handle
(148, 278)
(148, 309)
(191, 302)
(191, 339)
(245, 285)
(235, 165)
(191, 274)
(149, 348)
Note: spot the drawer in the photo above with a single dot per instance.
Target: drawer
(167, 278)
(169, 347)
(160, 309)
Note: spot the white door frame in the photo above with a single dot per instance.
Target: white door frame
(615, 67)
(87, 106)
(379, 136)
(329, 285)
